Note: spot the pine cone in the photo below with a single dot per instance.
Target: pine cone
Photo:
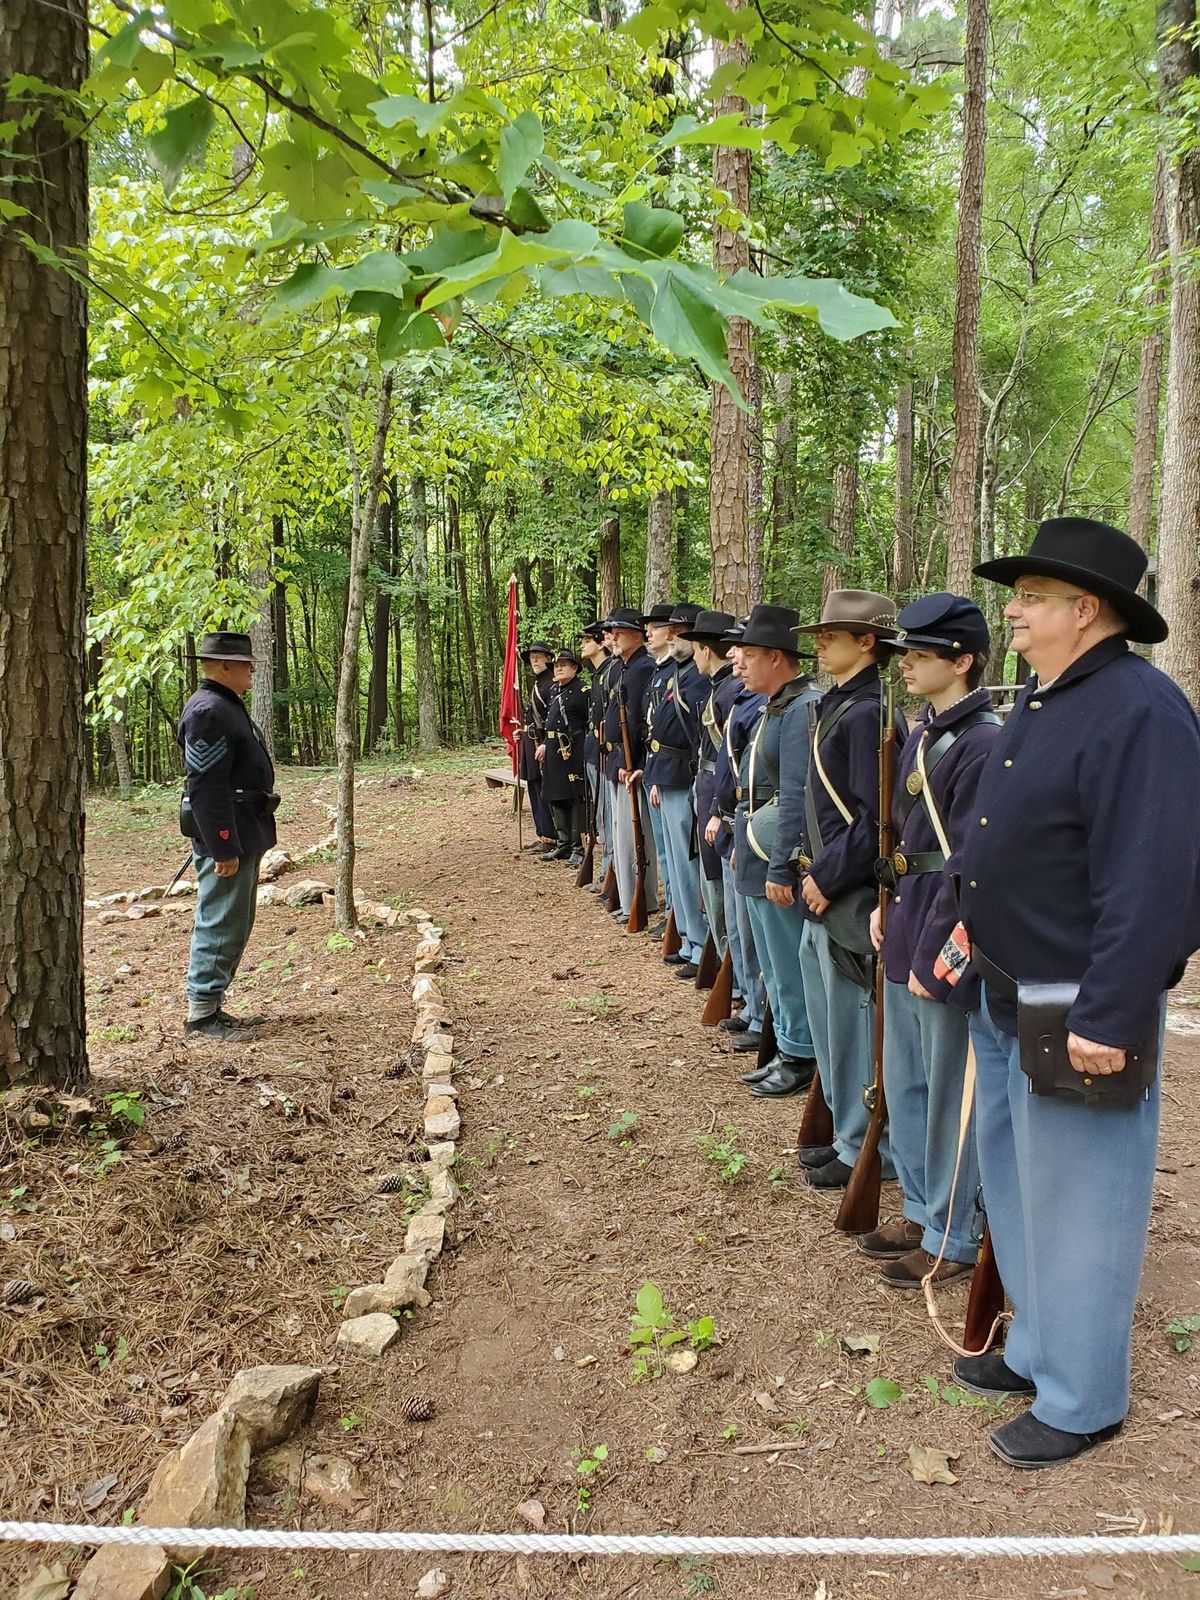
(398, 1069)
(194, 1174)
(17, 1292)
(127, 1413)
(417, 1408)
(229, 1071)
(394, 1183)
(175, 1142)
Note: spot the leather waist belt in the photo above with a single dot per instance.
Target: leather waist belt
(659, 749)
(995, 977)
(707, 766)
(905, 865)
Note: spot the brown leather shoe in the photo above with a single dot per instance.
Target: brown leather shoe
(895, 1238)
(907, 1271)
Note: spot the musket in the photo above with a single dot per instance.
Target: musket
(859, 1210)
(709, 964)
(671, 942)
(768, 1045)
(610, 892)
(986, 1301)
(816, 1125)
(719, 1004)
(637, 910)
(179, 874)
(587, 867)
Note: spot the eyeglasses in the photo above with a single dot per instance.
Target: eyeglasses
(1035, 597)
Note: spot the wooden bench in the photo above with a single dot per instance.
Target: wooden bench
(500, 778)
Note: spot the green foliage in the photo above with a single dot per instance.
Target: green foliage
(589, 1468)
(723, 1153)
(652, 1332)
(622, 1130)
(1180, 1331)
(127, 1105)
(106, 1357)
(882, 1393)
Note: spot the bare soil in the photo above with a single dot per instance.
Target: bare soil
(229, 1247)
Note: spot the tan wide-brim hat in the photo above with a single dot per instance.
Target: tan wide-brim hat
(855, 611)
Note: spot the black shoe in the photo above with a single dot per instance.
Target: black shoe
(658, 929)
(990, 1375)
(220, 1025)
(689, 969)
(575, 859)
(746, 1042)
(551, 856)
(733, 1025)
(834, 1174)
(816, 1155)
(1026, 1442)
(755, 1075)
(619, 916)
(677, 960)
(787, 1076)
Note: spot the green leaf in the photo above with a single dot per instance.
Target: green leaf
(728, 130)
(524, 211)
(882, 1393)
(646, 25)
(650, 1303)
(408, 330)
(572, 180)
(690, 326)
(312, 181)
(121, 50)
(398, 108)
(841, 314)
(652, 229)
(180, 141)
(521, 143)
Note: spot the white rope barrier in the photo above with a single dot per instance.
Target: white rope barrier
(961, 1547)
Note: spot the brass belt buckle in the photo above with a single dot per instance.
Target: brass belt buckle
(899, 864)
(803, 862)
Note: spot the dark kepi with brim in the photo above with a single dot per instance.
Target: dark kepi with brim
(568, 656)
(710, 627)
(625, 617)
(771, 628)
(1103, 561)
(225, 647)
(948, 624)
(538, 645)
(855, 611)
(593, 630)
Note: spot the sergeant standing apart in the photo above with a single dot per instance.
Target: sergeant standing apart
(710, 653)
(561, 759)
(943, 648)
(1080, 885)
(743, 718)
(230, 796)
(658, 643)
(627, 687)
(838, 887)
(594, 651)
(539, 658)
(770, 829)
(671, 727)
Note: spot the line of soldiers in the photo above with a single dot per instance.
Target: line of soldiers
(713, 778)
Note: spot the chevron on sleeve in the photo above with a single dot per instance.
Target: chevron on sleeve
(201, 756)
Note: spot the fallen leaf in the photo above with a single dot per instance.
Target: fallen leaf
(882, 1392)
(95, 1493)
(655, 1454)
(587, 1361)
(559, 1353)
(861, 1344)
(47, 1583)
(681, 1361)
(764, 1401)
(1100, 1576)
(930, 1465)
(534, 1513)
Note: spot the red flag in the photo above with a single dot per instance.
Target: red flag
(511, 716)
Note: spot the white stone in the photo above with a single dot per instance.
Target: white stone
(307, 892)
(406, 1278)
(370, 1335)
(126, 1572)
(425, 1237)
(438, 1068)
(370, 1298)
(430, 930)
(443, 1187)
(441, 1155)
(427, 989)
(442, 1124)
(183, 887)
(439, 1091)
(272, 1402)
(428, 965)
(416, 916)
(153, 891)
(433, 1584)
(203, 1483)
(271, 894)
(438, 1044)
(272, 864)
(111, 915)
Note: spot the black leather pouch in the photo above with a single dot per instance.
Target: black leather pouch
(187, 819)
(1042, 1039)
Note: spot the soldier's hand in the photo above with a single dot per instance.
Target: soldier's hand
(816, 902)
(227, 869)
(916, 987)
(877, 929)
(655, 797)
(540, 753)
(781, 894)
(711, 830)
(1093, 1059)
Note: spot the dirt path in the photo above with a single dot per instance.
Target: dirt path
(564, 1024)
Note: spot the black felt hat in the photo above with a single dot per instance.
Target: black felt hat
(948, 623)
(593, 630)
(1103, 561)
(626, 617)
(733, 635)
(660, 613)
(684, 614)
(225, 647)
(710, 627)
(568, 655)
(772, 628)
(539, 645)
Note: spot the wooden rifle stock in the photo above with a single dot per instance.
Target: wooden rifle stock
(709, 964)
(986, 1301)
(859, 1210)
(587, 867)
(671, 942)
(719, 1004)
(816, 1125)
(637, 911)
(768, 1047)
(609, 892)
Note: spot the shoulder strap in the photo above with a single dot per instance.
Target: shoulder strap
(824, 729)
(932, 755)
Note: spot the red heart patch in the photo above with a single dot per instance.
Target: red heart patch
(223, 833)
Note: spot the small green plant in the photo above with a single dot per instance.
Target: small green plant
(127, 1104)
(652, 1332)
(724, 1154)
(338, 942)
(588, 1468)
(350, 1421)
(108, 1155)
(1180, 1330)
(599, 1006)
(186, 1586)
(585, 1091)
(824, 1337)
(105, 1357)
(696, 1579)
(118, 1033)
(730, 1433)
(777, 1178)
(882, 1393)
(338, 1297)
(949, 1394)
(621, 1131)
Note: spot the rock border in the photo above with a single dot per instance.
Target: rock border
(369, 1327)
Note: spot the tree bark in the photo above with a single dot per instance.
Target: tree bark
(43, 553)
(660, 522)
(455, 545)
(902, 544)
(756, 523)
(279, 633)
(381, 628)
(609, 559)
(1179, 512)
(346, 724)
(427, 705)
(262, 639)
(1149, 390)
(842, 523)
(729, 425)
(964, 465)
(119, 738)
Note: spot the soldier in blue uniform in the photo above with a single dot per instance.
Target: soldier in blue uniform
(229, 814)
(627, 686)
(838, 883)
(769, 829)
(943, 647)
(672, 722)
(1080, 894)
(595, 652)
(560, 756)
(658, 643)
(706, 636)
(539, 658)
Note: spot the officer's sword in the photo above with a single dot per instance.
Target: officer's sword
(178, 875)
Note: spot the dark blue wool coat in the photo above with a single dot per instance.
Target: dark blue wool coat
(229, 772)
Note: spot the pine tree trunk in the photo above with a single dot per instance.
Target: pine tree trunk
(964, 465)
(757, 524)
(902, 543)
(609, 560)
(659, 528)
(279, 633)
(475, 725)
(381, 630)
(729, 425)
(427, 703)
(842, 523)
(119, 738)
(262, 638)
(43, 552)
(366, 510)
(1179, 512)
(1149, 390)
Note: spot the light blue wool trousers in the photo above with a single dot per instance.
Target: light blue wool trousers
(225, 909)
(603, 850)
(1067, 1191)
(841, 1018)
(747, 973)
(924, 1061)
(683, 870)
(624, 855)
(777, 931)
(660, 850)
(712, 893)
